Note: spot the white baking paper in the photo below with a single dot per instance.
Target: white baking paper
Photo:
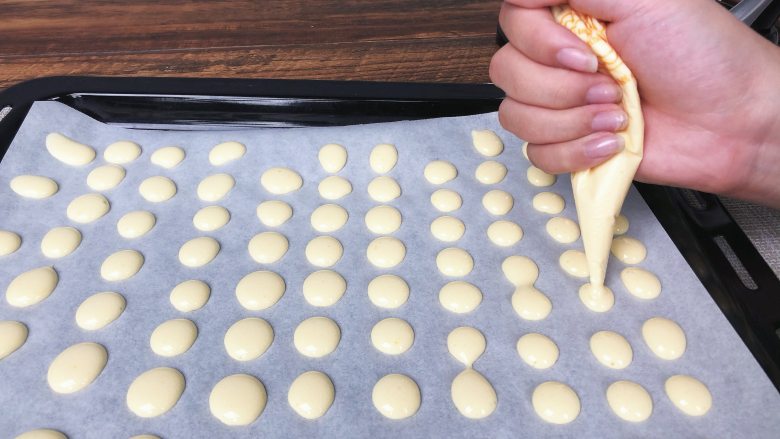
(745, 402)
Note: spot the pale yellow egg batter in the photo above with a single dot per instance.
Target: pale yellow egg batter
(260, 290)
(248, 338)
(135, 224)
(155, 392)
(99, 310)
(36, 187)
(60, 242)
(69, 151)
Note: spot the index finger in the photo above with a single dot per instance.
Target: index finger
(536, 34)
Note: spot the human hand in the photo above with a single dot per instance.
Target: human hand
(708, 85)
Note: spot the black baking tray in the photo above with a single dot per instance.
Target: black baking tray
(731, 269)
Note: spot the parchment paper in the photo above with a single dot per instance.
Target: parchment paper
(745, 402)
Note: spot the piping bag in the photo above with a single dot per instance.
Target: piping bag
(599, 192)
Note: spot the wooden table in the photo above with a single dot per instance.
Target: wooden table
(380, 40)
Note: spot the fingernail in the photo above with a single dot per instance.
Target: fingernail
(603, 94)
(603, 146)
(609, 121)
(576, 59)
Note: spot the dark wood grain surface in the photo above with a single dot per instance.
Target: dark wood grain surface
(382, 40)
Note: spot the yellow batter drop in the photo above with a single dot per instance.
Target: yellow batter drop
(280, 181)
(504, 233)
(324, 251)
(383, 158)
(311, 394)
(621, 225)
(611, 349)
(210, 218)
(324, 288)
(473, 395)
(317, 337)
(440, 172)
(384, 189)
(155, 392)
(268, 247)
(334, 187)
(539, 178)
(42, 433)
(248, 339)
(664, 337)
(121, 152)
(383, 220)
(332, 157)
(629, 401)
(69, 151)
(173, 337)
(190, 295)
(447, 228)
(556, 402)
(87, 208)
(537, 350)
(574, 263)
(490, 172)
(392, 336)
(641, 283)
(328, 218)
(135, 224)
(13, 334)
(689, 395)
(76, 367)
(198, 252)
(530, 303)
(520, 270)
(215, 187)
(99, 310)
(31, 287)
(460, 297)
(105, 177)
(628, 250)
(260, 290)
(597, 300)
(274, 213)
(121, 265)
(168, 157)
(226, 152)
(396, 396)
(466, 344)
(487, 143)
(563, 230)
(498, 202)
(157, 189)
(60, 242)
(388, 291)
(386, 252)
(548, 202)
(454, 262)
(9, 242)
(446, 200)
(238, 399)
(35, 187)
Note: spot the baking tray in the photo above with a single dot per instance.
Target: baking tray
(727, 264)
